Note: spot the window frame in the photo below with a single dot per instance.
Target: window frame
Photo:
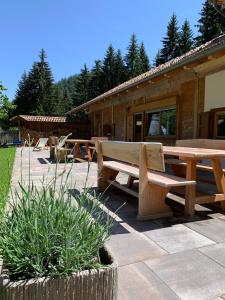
(162, 109)
(215, 129)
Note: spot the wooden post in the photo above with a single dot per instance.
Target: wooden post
(88, 151)
(219, 178)
(104, 174)
(195, 131)
(190, 192)
(151, 202)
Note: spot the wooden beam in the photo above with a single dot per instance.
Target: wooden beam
(209, 198)
(123, 188)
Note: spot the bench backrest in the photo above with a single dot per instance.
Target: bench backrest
(99, 138)
(133, 153)
(202, 143)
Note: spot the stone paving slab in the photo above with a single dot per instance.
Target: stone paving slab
(156, 258)
(214, 229)
(177, 238)
(138, 282)
(215, 252)
(191, 275)
(131, 247)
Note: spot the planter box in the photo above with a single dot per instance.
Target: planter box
(86, 285)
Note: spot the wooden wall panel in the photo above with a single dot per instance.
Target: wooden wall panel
(120, 122)
(179, 90)
(187, 110)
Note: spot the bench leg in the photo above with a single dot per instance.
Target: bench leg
(103, 176)
(152, 203)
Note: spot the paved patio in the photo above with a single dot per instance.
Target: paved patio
(173, 258)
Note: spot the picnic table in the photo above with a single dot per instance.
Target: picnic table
(77, 148)
(192, 156)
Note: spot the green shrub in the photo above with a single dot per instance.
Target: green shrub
(48, 233)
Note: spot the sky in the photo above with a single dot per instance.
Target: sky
(74, 32)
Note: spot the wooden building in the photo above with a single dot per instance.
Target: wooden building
(181, 99)
(45, 126)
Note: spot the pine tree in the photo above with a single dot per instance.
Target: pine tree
(158, 61)
(108, 69)
(44, 80)
(132, 58)
(67, 101)
(170, 48)
(21, 96)
(36, 91)
(120, 73)
(185, 38)
(145, 65)
(210, 24)
(82, 87)
(63, 100)
(96, 80)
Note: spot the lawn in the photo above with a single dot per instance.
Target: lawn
(7, 156)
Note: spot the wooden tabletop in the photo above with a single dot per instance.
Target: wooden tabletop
(73, 141)
(197, 153)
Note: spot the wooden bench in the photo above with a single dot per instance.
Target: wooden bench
(178, 165)
(145, 162)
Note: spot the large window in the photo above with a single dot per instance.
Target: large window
(161, 122)
(219, 129)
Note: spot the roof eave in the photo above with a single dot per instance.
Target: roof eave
(186, 61)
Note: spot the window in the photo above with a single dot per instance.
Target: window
(220, 124)
(161, 122)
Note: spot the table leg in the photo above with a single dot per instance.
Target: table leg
(88, 152)
(130, 181)
(190, 192)
(219, 178)
(77, 152)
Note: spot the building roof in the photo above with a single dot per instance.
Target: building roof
(193, 55)
(28, 118)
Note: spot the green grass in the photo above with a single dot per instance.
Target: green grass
(7, 156)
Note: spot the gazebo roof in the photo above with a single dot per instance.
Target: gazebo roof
(47, 119)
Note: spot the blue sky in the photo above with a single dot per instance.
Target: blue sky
(76, 32)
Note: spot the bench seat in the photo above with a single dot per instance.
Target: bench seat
(154, 177)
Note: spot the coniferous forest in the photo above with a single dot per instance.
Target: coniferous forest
(38, 94)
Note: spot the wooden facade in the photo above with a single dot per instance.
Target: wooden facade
(182, 101)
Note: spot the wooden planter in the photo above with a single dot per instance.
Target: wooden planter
(86, 285)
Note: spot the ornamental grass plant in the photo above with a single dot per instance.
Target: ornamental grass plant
(48, 232)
